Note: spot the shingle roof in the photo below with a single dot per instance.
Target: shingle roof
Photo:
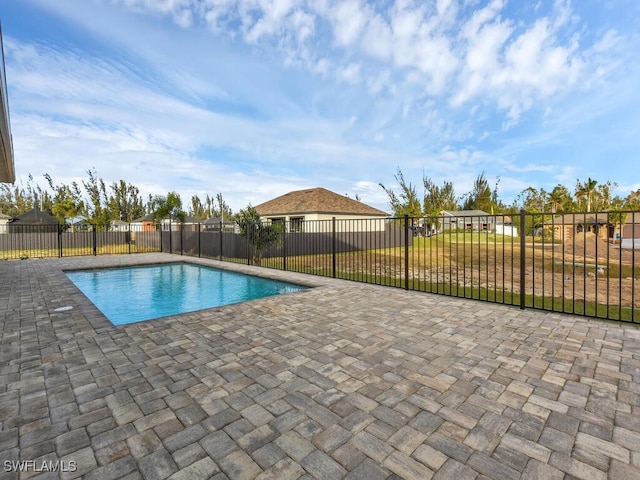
(35, 217)
(579, 219)
(464, 213)
(146, 218)
(316, 200)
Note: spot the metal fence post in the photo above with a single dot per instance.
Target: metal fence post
(170, 236)
(95, 239)
(284, 247)
(523, 266)
(406, 252)
(333, 246)
(181, 237)
(59, 241)
(250, 226)
(220, 242)
(199, 253)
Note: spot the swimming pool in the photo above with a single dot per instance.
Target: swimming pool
(133, 294)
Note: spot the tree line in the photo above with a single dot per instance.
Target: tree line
(587, 196)
(96, 202)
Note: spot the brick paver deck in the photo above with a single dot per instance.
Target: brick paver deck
(344, 380)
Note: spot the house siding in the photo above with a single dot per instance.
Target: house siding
(318, 222)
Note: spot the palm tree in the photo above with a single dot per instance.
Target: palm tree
(559, 199)
(586, 190)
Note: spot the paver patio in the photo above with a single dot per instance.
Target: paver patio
(343, 380)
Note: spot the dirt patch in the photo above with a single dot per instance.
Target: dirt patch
(590, 269)
(590, 247)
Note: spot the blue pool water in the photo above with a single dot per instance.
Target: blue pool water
(133, 294)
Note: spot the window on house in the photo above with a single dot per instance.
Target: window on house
(297, 224)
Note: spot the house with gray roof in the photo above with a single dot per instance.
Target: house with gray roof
(477, 220)
(119, 226)
(465, 220)
(146, 223)
(305, 211)
(189, 224)
(35, 220)
(213, 224)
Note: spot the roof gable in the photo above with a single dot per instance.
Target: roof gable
(35, 217)
(316, 200)
(146, 218)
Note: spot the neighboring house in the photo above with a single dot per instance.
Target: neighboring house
(34, 221)
(504, 226)
(4, 221)
(213, 225)
(148, 224)
(190, 224)
(144, 224)
(79, 224)
(477, 220)
(303, 209)
(631, 227)
(566, 226)
(466, 220)
(119, 226)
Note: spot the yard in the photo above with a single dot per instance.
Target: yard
(587, 276)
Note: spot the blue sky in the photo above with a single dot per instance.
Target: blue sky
(255, 98)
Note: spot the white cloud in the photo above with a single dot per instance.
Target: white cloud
(179, 10)
(216, 13)
(466, 53)
(348, 18)
(268, 87)
(377, 39)
(484, 43)
(272, 15)
(304, 24)
(517, 66)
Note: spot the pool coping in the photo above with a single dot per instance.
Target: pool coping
(100, 322)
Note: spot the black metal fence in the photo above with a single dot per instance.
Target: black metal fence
(581, 263)
(54, 240)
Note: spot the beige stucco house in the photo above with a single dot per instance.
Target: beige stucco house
(565, 227)
(312, 211)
